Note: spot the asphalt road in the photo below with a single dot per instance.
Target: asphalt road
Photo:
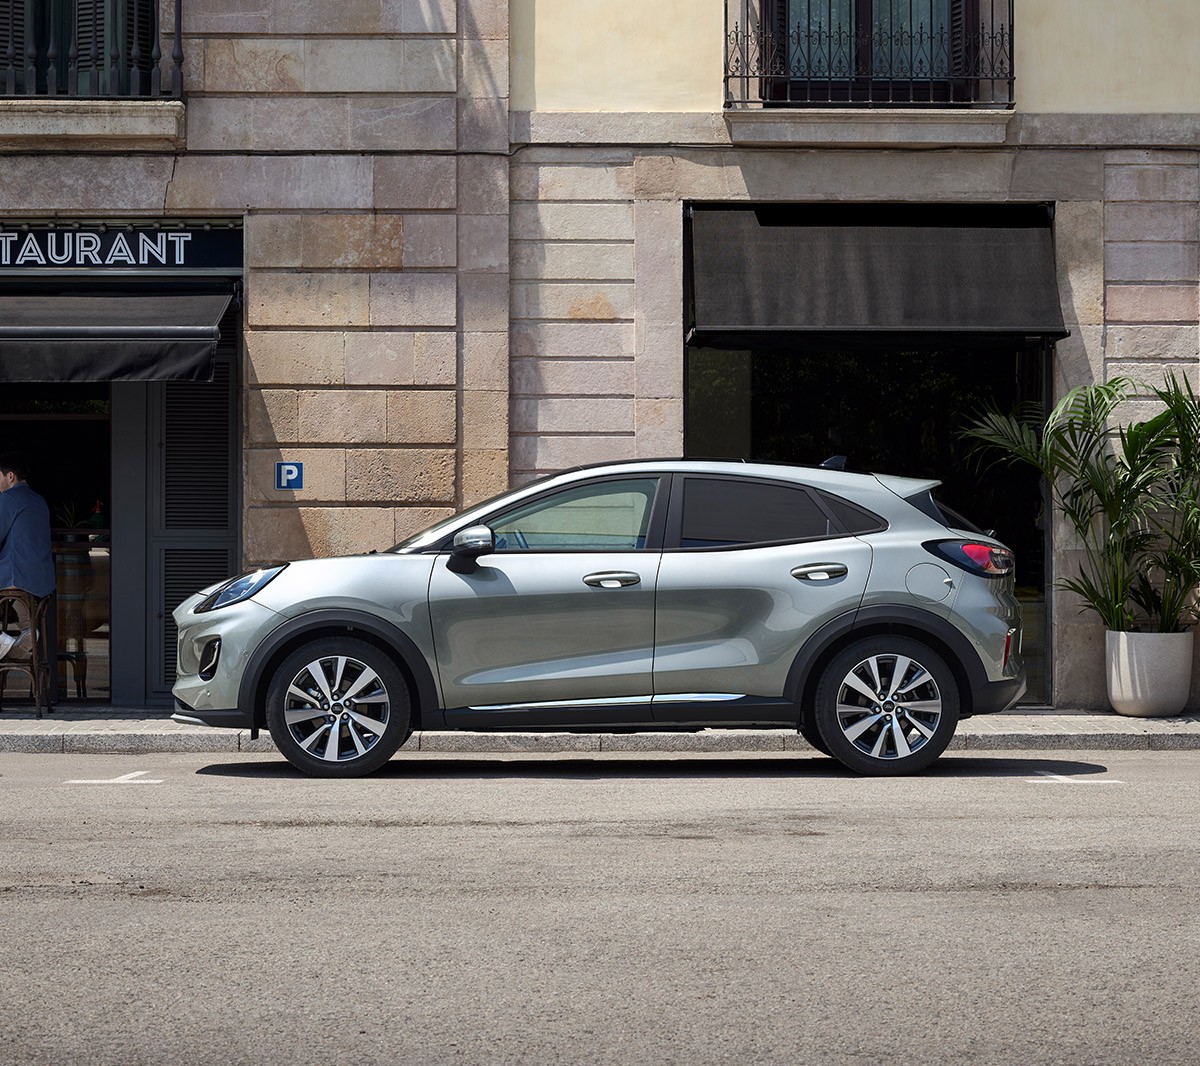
(667, 909)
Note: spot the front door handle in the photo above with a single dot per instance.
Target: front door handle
(820, 571)
(611, 579)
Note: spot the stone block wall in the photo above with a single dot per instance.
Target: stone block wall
(597, 276)
(365, 145)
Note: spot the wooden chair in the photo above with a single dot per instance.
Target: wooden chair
(37, 663)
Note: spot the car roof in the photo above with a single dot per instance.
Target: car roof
(818, 476)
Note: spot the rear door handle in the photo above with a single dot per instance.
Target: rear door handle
(820, 571)
(611, 579)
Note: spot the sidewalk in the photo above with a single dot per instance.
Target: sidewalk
(111, 730)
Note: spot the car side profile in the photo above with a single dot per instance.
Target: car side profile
(644, 595)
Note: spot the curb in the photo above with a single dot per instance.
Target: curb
(121, 742)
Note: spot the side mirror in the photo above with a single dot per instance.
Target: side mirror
(473, 542)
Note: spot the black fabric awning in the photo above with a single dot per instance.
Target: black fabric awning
(885, 268)
(110, 336)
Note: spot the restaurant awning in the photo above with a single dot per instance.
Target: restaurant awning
(886, 268)
(110, 336)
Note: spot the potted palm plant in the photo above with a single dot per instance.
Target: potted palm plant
(1131, 495)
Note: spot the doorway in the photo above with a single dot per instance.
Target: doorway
(141, 479)
(65, 433)
(894, 406)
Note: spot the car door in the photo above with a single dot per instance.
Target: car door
(556, 626)
(751, 568)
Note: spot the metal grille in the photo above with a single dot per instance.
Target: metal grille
(184, 572)
(104, 48)
(198, 492)
(868, 53)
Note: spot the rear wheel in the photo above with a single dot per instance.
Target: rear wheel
(887, 706)
(338, 707)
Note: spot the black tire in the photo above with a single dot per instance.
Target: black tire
(371, 717)
(808, 730)
(887, 736)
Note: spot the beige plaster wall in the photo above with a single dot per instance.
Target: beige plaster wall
(616, 55)
(1107, 55)
(1073, 56)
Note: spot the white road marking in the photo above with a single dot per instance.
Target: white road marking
(1045, 776)
(136, 778)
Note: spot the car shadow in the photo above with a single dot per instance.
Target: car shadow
(599, 767)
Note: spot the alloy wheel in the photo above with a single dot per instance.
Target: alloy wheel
(888, 706)
(336, 708)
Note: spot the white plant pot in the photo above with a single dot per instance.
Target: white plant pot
(1149, 674)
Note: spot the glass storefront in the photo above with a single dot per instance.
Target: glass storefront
(894, 409)
(64, 431)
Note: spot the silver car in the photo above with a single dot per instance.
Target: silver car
(663, 595)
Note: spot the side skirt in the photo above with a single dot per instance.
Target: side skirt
(671, 714)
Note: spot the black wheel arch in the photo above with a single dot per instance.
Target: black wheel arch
(931, 629)
(337, 623)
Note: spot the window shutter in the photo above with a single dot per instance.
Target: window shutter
(196, 437)
(195, 540)
(774, 45)
(12, 45)
(964, 46)
(89, 43)
(139, 39)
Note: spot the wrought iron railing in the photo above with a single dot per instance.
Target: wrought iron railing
(101, 48)
(868, 53)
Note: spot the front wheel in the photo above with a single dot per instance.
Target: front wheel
(338, 707)
(887, 706)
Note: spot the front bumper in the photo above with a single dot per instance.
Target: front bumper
(241, 628)
(221, 719)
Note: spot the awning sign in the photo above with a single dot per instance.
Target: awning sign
(125, 248)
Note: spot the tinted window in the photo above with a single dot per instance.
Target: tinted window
(854, 519)
(610, 516)
(721, 513)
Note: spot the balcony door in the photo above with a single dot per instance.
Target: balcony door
(847, 51)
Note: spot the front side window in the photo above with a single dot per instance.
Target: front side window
(723, 514)
(608, 516)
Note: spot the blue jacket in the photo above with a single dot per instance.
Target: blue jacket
(25, 559)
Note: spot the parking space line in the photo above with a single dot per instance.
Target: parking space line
(136, 778)
(1045, 776)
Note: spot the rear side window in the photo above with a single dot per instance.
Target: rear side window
(853, 519)
(722, 514)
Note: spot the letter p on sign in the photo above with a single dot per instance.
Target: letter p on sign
(289, 475)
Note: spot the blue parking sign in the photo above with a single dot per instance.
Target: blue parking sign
(289, 475)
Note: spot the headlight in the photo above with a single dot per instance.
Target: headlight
(237, 589)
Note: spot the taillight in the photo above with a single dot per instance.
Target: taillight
(976, 558)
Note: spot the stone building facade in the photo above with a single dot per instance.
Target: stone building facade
(464, 240)
(363, 149)
(612, 143)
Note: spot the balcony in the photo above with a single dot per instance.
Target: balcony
(90, 49)
(91, 75)
(864, 54)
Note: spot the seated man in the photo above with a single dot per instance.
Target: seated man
(25, 559)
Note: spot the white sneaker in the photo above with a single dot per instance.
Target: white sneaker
(7, 640)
